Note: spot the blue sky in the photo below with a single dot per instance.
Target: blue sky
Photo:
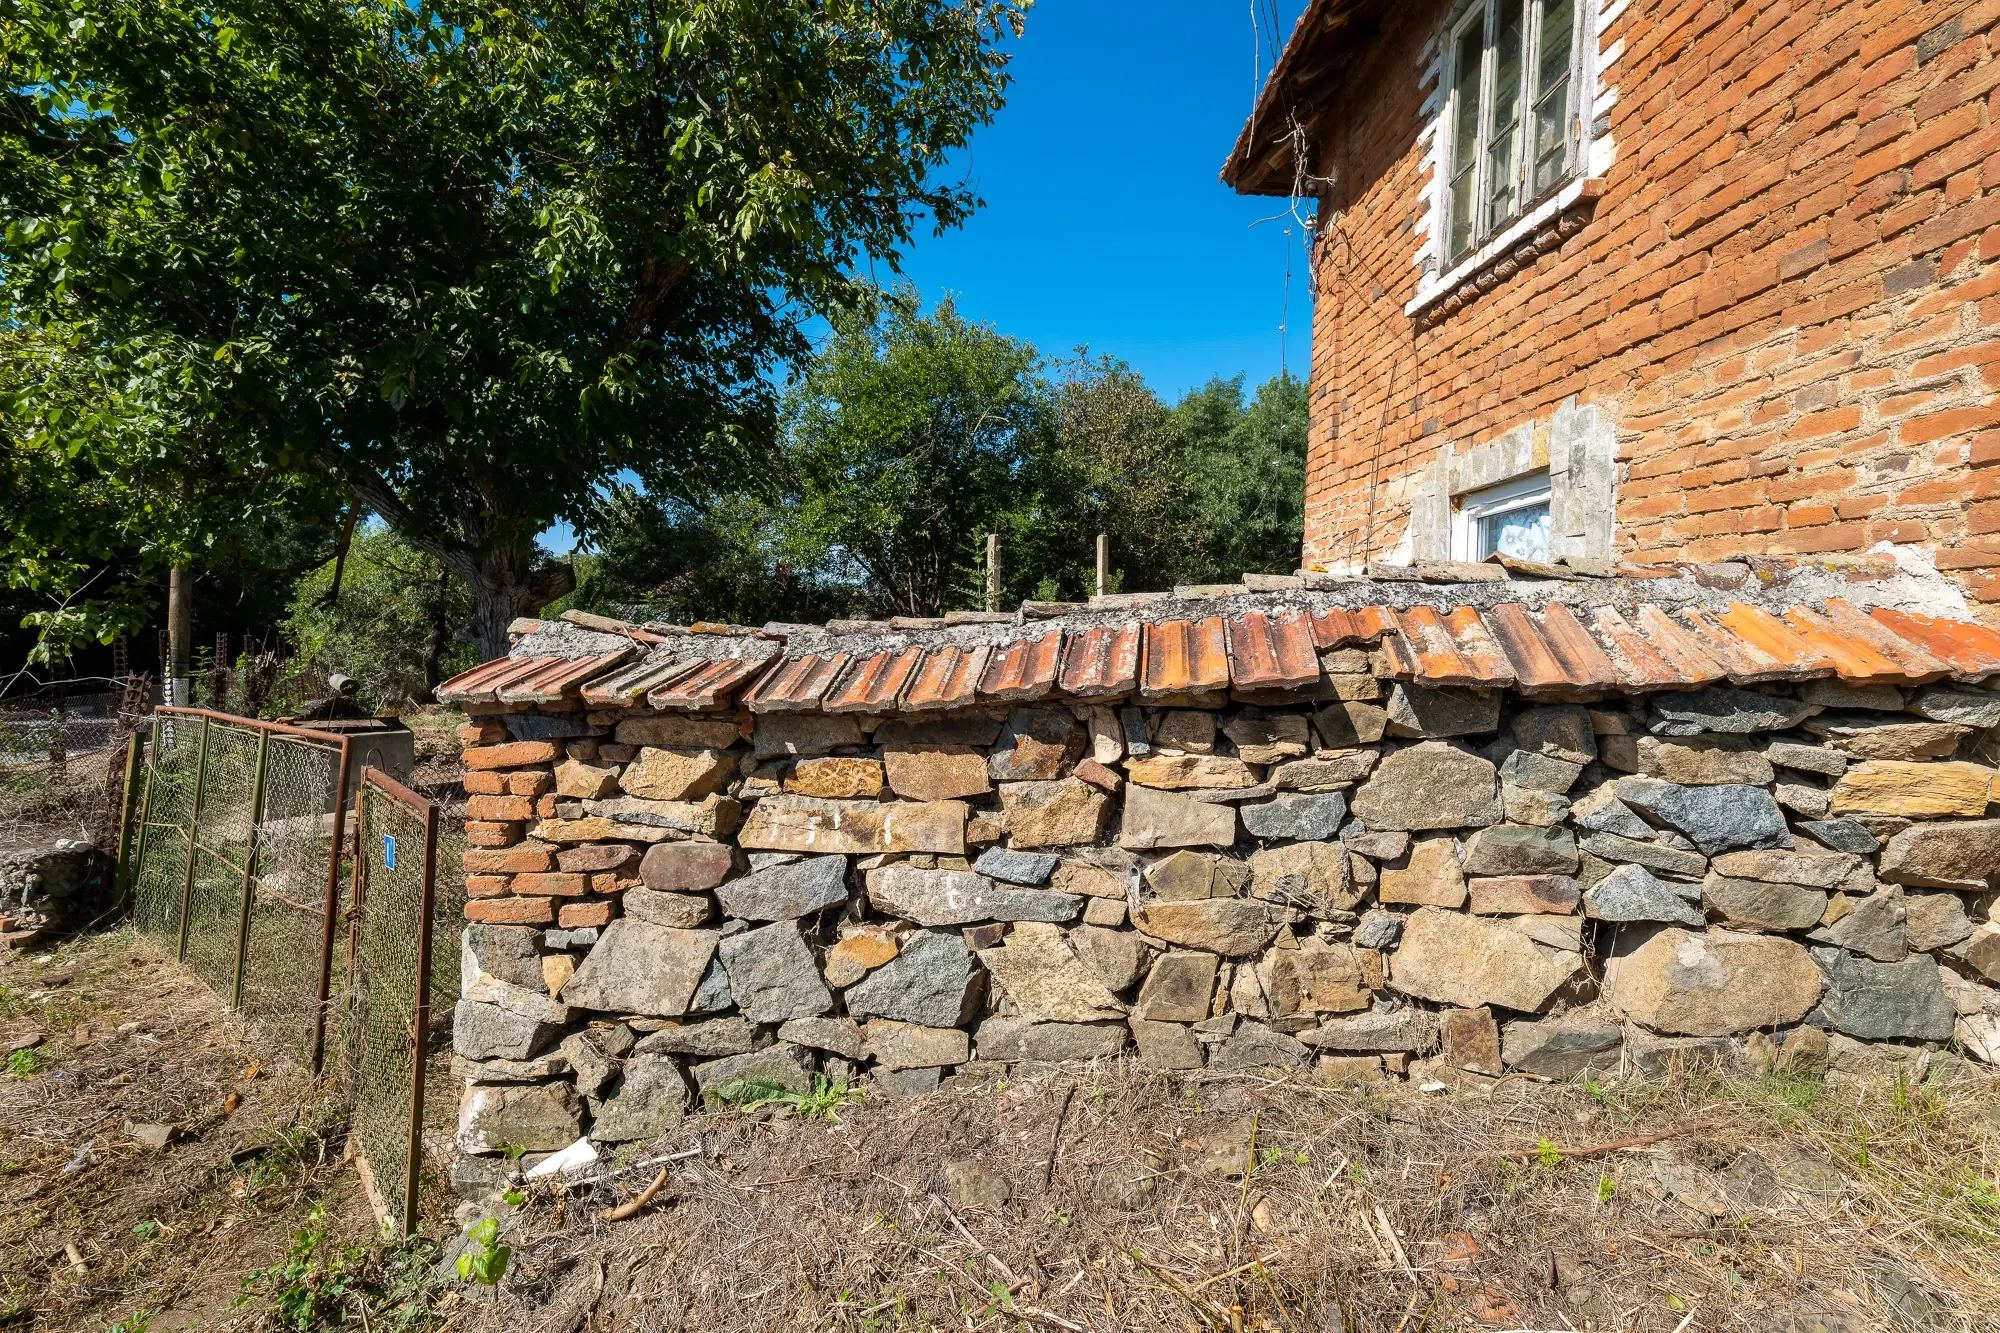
(1105, 224)
(1104, 221)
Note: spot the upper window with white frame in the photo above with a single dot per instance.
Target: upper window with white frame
(1512, 68)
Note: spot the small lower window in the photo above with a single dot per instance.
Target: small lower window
(1511, 520)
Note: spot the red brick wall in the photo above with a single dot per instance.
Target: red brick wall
(1787, 297)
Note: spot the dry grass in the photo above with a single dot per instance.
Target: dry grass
(97, 1229)
(1775, 1205)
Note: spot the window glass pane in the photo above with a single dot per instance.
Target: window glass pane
(1522, 533)
(1551, 124)
(1465, 136)
(1504, 135)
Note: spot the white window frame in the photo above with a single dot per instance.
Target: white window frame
(1520, 493)
(1485, 13)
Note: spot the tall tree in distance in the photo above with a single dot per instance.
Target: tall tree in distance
(467, 262)
(1246, 475)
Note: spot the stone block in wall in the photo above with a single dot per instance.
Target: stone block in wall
(1567, 1047)
(507, 860)
(1320, 977)
(487, 833)
(803, 735)
(1471, 1040)
(772, 975)
(1296, 815)
(836, 776)
(1505, 895)
(1432, 877)
(961, 897)
(895, 1046)
(784, 1064)
(1563, 732)
(1036, 745)
(1934, 921)
(1632, 893)
(1166, 1045)
(1725, 711)
(1820, 759)
(1152, 818)
(1404, 1028)
(1916, 790)
(1189, 772)
(1119, 958)
(1062, 813)
(1762, 906)
(1969, 708)
(1704, 760)
(680, 731)
(1520, 849)
(1351, 722)
(619, 858)
(651, 1098)
(677, 774)
(489, 1032)
(704, 1039)
(1255, 1046)
(811, 824)
(936, 772)
(1313, 876)
(1903, 1001)
(686, 867)
(1456, 959)
(840, 1036)
(1040, 973)
(1430, 785)
(640, 968)
(1180, 987)
(683, 911)
(1875, 926)
(1232, 927)
(1962, 855)
(1807, 865)
(534, 1118)
(1714, 819)
(1012, 1039)
(1865, 736)
(1430, 711)
(1714, 983)
(931, 981)
(1268, 738)
(783, 893)
(857, 954)
(585, 915)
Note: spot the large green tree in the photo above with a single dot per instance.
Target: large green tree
(466, 261)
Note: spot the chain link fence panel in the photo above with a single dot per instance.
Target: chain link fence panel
(389, 994)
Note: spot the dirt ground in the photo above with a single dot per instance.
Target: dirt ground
(152, 1158)
(1083, 1198)
(1783, 1205)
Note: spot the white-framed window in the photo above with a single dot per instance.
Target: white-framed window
(1513, 519)
(1512, 70)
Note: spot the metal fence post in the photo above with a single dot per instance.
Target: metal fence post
(421, 1015)
(250, 867)
(128, 798)
(324, 992)
(194, 842)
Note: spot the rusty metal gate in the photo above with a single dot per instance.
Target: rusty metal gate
(390, 986)
(232, 853)
(233, 864)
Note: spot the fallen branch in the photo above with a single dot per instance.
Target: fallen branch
(1240, 1268)
(636, 1202)
(1055, 1137)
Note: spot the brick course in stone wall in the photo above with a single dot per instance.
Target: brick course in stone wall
(1492, 884)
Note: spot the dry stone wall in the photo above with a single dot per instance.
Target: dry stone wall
(1387, 880)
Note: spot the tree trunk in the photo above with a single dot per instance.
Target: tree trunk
(507, 584)
(180, 635)
(440, 629)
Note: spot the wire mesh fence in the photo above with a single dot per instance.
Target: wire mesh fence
(235, 865)
(390, 992)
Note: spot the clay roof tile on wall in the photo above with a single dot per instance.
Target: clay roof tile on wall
(1585, 647)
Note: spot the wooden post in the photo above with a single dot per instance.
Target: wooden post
(992, 571)
(180, 634)
(1103, 563)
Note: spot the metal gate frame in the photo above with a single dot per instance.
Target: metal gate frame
(402, 1210)
(132, 849)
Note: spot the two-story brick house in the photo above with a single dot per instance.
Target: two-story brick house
(1659, 282)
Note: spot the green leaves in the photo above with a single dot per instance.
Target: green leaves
(484, 1259)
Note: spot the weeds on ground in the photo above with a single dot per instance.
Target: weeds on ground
(822, 1103)
(326, 1283)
